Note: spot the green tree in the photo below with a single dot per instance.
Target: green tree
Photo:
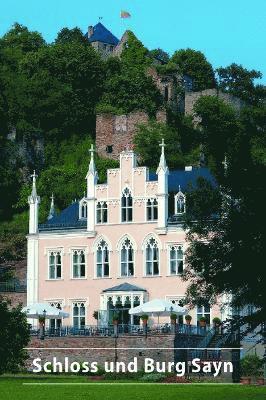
(63, 85)
(194, 63)
(147, 140)
(134, 54)
(159, 55)
(218, 123)
(74, 35)
(240, 82)
(129, 91)
(226, 241)
(127, 86)
(19, 37)
(13, 325)
(67, 164)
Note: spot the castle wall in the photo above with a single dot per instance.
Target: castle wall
(116, 132)
(192, 97)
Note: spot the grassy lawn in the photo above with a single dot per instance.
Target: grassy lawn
(19, 389)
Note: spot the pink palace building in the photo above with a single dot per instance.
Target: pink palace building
(121, 245)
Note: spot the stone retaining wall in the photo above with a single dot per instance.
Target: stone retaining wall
(102, 349)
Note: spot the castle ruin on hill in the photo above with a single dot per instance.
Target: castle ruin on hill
(116, 132)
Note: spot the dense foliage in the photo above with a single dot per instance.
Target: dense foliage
(127, 85)
(194, 64)
(226, 228)
(14, 336)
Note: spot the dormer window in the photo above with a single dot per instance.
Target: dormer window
(83, 208)
(180, 202)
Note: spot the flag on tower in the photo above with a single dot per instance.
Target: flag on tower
(125, 14)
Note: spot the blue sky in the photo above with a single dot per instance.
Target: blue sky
(225, 30)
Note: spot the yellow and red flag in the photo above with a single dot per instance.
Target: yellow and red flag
(124, 14)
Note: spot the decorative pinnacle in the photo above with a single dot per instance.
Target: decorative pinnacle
(162, 163)
(52, 210)
(92, 165)
(162, 145)
(34, 191)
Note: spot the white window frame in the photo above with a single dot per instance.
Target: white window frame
(151, 207)
(83, 206)
(56, 253)
(100, 208)
(203, 313)
(127, 262)
(177, 196)
(127, 207)
(99, 244)
(145, 257)
(55, 304)
(176, 246)
(78, 250)
(79, 303)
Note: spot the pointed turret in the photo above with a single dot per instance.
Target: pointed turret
(162, 164)
(52, 209)
(92, 178)
(33, 245)
(162, 195)
(34, 201)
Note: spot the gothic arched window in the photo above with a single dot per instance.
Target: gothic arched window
(176, 260)
(79, 264)
(102, 260)
(152, 257)
(180, 203)
(83, 209)
(79, 314)
(126, 206)
(127, 258)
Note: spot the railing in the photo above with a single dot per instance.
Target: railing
(60, 226)
(228, 338)
(12, 287)
(123, 329)
(175, 219)
(203, 353)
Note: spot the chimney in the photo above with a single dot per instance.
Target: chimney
(90, 31)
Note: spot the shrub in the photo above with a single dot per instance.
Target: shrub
(216, 321)
(152, 377)
(113, 376)
(173, 316)
(188, 318)
(251, 365)
(203, 319)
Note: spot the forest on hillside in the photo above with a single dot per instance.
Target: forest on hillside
(49, 96)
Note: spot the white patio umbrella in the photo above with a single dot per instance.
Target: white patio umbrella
(158, 307)
(37, 310)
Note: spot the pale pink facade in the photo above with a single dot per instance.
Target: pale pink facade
(161, 279)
